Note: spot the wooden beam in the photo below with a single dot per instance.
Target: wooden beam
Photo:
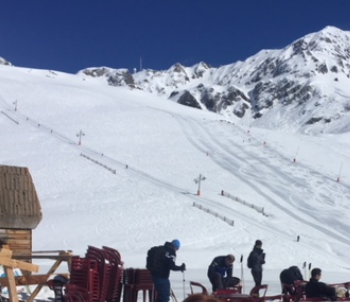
(19, 264)
(40, 286)
(52, 257)
(6, 253)
(54, 251)
(29, 280)
(11, 284)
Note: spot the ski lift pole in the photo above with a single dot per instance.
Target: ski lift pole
(296, 153)
(198, 181)
(341, 167)
(80, 135)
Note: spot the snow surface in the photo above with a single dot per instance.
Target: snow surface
(166, 146)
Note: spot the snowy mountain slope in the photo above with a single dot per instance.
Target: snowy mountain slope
(302, 87)
(166, 146)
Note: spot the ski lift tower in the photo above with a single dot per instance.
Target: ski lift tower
(198, 181)
(80, 135)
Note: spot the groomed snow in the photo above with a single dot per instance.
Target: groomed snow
(166, 146)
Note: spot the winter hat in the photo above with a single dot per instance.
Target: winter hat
(258, 243)
(176, 243)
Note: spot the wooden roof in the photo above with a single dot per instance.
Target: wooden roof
(19, 204)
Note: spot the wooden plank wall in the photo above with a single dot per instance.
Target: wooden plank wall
(19, 202)
(19, 241)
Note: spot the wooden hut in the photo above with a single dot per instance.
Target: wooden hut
(20, 210)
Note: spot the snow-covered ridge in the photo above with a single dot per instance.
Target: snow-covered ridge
(302, 87)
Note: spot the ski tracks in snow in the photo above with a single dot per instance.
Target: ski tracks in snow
(266, 174)
(241, 161)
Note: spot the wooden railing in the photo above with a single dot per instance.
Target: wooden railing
(40, 280)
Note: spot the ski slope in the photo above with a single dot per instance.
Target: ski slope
(130, 184)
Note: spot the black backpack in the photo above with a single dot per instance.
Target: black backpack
(249, 261)
(155, 258)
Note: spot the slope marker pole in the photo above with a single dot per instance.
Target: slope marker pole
(341, 167)
(296, 153)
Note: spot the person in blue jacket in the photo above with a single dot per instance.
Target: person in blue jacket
(166, 263)
(219, 268)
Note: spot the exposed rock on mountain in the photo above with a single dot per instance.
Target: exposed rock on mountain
(115, 77)
(185, 98)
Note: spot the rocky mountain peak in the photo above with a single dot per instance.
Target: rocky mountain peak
(114, 77)
(307, 79)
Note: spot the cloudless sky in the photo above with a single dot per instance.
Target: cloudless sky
(70, 35)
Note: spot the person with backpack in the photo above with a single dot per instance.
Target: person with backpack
(160, 261)
(218, 268)
(287, 277)
(255, 262)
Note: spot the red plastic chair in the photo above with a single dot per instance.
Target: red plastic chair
(143, 282)
(128, 284)
(255, 291)
(76, 293)
(288, 292)
(197, 284)
(299, 290)
(313, 299)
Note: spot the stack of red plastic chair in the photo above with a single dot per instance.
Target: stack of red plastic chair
(143, 282)
(84, 281)
(104, 271)
(135, 281)
(128, 284)
(114, 290)
(97, 277)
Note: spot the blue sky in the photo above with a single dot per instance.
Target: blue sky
(70, 35)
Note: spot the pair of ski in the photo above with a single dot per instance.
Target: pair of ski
(307, 269)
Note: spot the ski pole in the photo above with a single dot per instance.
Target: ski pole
(153, 293)
(173, 295)
(183, 284)
(309, 269)
(242, 278)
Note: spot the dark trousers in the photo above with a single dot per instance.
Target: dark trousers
(216, 281)
(257, 276)
(162, 286)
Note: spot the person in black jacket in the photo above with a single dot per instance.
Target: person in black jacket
(256, 260)
(288, 276)
(316, 289)
(166, 264)
(218, 268)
